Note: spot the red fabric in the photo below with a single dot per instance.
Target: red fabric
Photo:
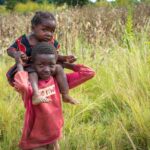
(21, 47)
(43, 123)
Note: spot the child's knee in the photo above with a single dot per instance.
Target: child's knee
(59, 69)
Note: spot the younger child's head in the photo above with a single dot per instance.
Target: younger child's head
(44, 59)
(43, 25)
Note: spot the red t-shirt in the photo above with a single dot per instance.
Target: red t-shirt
(43, 123)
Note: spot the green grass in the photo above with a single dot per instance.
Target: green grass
(114, 113)
(32, 7)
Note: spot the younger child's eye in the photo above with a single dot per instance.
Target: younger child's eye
(51, 66)
(44, 30)
(52, 31)
(40, 65)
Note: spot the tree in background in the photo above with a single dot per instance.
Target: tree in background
(2, 2)
(68, 2)
(10, 4)
(72, 2)
(128, 2)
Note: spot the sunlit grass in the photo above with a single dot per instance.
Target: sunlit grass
(114, 109)
(114, 106)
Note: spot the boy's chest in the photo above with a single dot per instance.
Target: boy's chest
(48, 91)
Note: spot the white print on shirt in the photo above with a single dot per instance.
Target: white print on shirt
(48, 91)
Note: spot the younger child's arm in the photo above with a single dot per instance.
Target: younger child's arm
(69, 58)
(80, 75)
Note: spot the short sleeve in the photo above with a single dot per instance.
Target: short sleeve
(18, 45)
(13, 47)
(21, 82)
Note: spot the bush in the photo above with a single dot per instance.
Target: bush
(10, 4)
(2, 2)
(72, 2)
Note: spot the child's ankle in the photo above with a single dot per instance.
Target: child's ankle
(64, 95)
(68, 99)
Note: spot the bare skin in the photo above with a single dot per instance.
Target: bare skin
(53, 146)
(44, 32)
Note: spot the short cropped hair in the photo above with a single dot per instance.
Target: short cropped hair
(40, 16)
(43, 48)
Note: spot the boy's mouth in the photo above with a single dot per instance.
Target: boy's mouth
(45, 75)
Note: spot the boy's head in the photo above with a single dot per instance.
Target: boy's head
(44, 59)
(43, 25)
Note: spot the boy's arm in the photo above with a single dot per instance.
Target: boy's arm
(21, 77)
(80, 75)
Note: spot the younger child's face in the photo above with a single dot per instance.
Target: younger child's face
(45, 30)
(45, 65)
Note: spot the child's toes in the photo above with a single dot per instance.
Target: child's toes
(75, 102)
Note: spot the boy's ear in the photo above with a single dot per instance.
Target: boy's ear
(32, 65)
(32, 27)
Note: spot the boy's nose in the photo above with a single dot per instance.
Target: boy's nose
(47, 69)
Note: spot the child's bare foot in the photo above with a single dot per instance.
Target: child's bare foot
(68, 99)
(37, 99)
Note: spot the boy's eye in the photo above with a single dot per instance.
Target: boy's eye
(44, 30)
(40, 65)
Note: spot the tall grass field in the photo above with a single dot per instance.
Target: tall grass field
(114, 109)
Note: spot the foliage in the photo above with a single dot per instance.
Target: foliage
(2, 9)
(2, 2)
(126, 2)
(32, 7)
(72, 2)
(129, 33)
(114, 109)
(10, 4)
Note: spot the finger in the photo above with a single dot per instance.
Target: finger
(70, 56)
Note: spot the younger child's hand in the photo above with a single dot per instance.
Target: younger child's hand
(17, 57)
(24, 57)
(70, 59)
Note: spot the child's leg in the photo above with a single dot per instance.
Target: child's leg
(41, 148)
(63, 85)
(54, 146)
(36, 98)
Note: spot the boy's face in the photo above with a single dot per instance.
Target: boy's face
(45, 65)
(45, 30)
